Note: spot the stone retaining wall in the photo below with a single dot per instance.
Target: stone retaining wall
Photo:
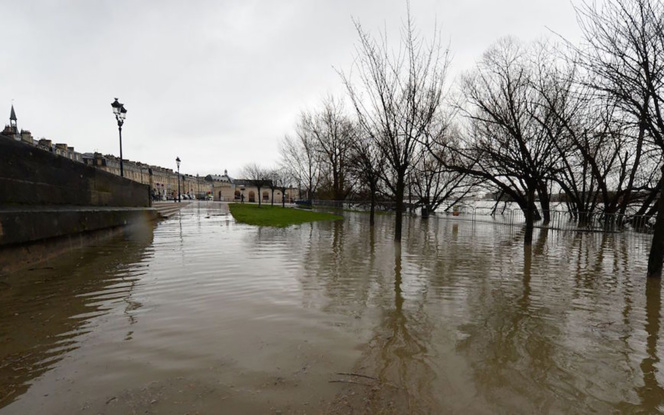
(50, 204)
(32, 176)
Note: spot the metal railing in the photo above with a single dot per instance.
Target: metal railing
(558, 219)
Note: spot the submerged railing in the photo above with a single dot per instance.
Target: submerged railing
(558, 219)
(562, 220)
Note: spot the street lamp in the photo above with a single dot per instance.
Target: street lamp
(120, 114)
(177, 161)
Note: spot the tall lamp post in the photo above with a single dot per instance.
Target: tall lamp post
(120, 114)
(177, 161)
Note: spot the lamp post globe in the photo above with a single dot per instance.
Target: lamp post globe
(120, 113)
(177, 161)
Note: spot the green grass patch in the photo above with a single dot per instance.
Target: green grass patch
(276, 216)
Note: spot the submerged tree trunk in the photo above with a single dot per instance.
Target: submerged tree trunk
(656, 256)
(525, 206)
(545, 203)
(530, 216)
(372, 209)
(399, 207)
(426, 208)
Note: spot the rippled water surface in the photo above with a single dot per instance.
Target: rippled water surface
(203, 315)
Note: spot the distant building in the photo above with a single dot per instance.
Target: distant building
(228, 189)
(163, 182)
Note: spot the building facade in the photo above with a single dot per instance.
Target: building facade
(163, 182)
(228, 189)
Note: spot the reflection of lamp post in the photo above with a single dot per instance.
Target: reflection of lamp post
(177, 161)
(120, 114)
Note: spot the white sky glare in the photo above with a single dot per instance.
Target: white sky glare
(216, 82)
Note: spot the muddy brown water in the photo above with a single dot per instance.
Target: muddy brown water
(200, 315)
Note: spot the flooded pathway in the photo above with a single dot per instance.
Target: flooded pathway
(201, 315)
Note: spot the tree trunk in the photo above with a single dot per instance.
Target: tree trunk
(372, 209)
(657, 248)
(530, 214)
(545, 203)
(426, 208)
(399, 207)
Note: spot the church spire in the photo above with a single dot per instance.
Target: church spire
(12, 119)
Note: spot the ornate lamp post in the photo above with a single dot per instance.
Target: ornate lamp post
(120, 114)
(177, 161)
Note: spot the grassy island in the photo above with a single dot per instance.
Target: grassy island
(275, 215)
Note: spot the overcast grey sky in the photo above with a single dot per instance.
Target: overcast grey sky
(217, 83)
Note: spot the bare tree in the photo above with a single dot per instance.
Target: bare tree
(624, 50)
(510, 142)
(333, 132)
(599, 154)
(604, 156)
(434, 183)
(273, 184)
(366, 164)
(279, 179)
(300, 157)
(258, 176)
(396, 99)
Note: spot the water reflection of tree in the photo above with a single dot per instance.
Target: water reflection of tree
(565, 340)
(450, 252)
(340, 264)
(398, 357)
(651, 393)
(402, 354)
(511, 344)
(48, 309)
(539, 329)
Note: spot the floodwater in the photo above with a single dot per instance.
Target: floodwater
(200, 315)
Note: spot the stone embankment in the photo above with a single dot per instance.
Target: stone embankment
(50, 204)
